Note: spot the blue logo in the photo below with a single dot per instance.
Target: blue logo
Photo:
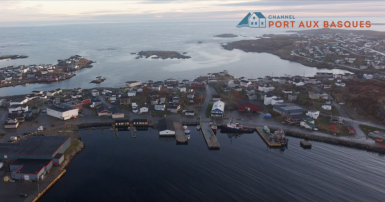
(253, 20)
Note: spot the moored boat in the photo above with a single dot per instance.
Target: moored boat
(184, 127)
(232, 127)
(198, 127)
(187, 131)
(188, 137)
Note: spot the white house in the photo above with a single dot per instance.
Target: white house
(95, 92)
(257, 20)
(134, 105)
(368, 76)
(189, 113)
(17, 107)
(218, 109)
(131, 93)
(183, 89)
(143, 110)
(62, 112)
(327, 107)
(313, 114)
(19, 101)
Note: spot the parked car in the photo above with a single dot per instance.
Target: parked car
(341, 103)
(44, 111)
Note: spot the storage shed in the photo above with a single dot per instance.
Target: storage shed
(166, 127)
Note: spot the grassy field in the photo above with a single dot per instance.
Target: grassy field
(125, 107)
(208, 110)
(367, 129)
(161, 112)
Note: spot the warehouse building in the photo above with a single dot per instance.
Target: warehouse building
(34, 156)
(30, 169)
(166, 127)
(62, 111)
(288, 109)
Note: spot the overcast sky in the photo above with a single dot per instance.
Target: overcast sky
(127, 10)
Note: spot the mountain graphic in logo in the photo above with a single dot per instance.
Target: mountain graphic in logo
(253, 20)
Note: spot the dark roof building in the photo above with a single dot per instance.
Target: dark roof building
(246, 105)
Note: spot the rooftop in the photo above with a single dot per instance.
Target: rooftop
(31, 166)
(34, 145)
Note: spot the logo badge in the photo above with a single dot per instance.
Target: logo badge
(253, 20)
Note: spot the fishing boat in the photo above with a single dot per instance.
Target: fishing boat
(214, 128)
(187, 131)
(232, 127)
(280, 136)
(198, 127)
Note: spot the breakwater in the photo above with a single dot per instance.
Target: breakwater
(338, 141)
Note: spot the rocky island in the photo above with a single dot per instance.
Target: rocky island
(12, 57)
(98, 80)
(226, 35)
(161, 55)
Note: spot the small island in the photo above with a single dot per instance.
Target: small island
(98, 80)
(226, 35)
(161, 55)
(12, 57)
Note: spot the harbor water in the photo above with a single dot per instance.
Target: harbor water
(149, 168)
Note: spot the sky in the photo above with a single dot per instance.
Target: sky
(136, 10)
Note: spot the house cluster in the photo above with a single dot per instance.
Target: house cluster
(342, 50)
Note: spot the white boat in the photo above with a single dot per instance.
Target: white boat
(184, 127)
(198, 127)
(188, 137)
(187, 131)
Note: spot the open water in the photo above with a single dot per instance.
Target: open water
(148, 168)
(111, 45)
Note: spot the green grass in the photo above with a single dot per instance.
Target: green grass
(208, 110)
(367, 129)
(125, 107)
(161, 113)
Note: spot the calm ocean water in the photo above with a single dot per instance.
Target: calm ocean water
(111, 45)
(244, 169)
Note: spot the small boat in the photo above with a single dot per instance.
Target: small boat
(214, 128)
(232, 127)
(184, 127)
(188, 137)
(187, 131)
(198, 127)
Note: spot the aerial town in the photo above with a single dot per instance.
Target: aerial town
(40, 132)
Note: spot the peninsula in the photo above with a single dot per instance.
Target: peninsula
(353, 50)
(23, 74)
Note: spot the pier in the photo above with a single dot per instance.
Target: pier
(211, 139)
(133, 131)
(267, 138)
(115, 131)
(179, 133)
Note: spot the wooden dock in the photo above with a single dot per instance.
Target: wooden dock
(133, 131)
(179, 133)
(211, 139)
(266, 138)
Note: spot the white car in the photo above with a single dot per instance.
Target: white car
(341, 103)
(44, 111)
